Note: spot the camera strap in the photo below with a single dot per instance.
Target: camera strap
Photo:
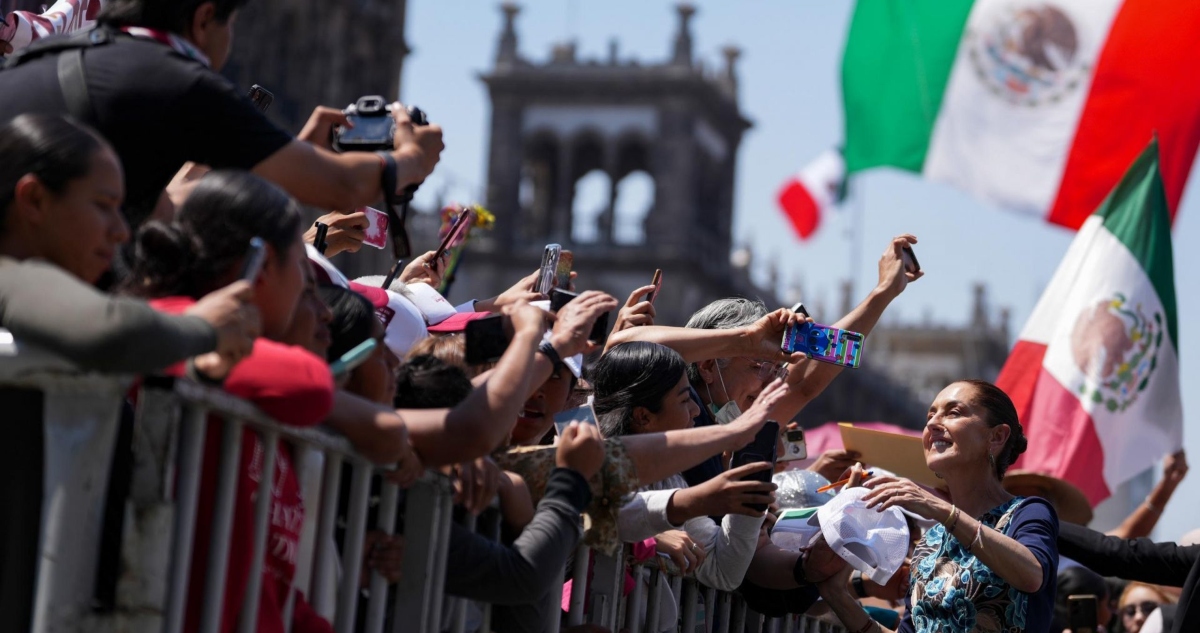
(401, 249)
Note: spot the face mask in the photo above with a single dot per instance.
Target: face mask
(730, 411)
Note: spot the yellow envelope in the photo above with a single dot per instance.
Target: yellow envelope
(901, 454)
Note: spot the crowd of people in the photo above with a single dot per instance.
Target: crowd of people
(137, 187)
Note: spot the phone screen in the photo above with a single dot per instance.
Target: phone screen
(261, 97)
(486, 340)
(371, 129)
(910, 260)
(562, 272)
(456, 234)
(1083, 613)
(548, 270)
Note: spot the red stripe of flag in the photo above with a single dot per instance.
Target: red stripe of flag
(800, 207)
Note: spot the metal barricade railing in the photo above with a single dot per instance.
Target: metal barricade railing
(638, 612)
(81, 417)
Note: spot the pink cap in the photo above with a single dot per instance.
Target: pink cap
(457, 322)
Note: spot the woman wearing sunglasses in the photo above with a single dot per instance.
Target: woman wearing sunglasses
(1138, 602)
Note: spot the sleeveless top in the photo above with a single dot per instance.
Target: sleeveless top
(954, 592)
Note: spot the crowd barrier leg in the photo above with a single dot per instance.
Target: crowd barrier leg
(724, 608)
(79, 430)
(426, 533)
(191, 457)
(458, 606)
(262, 520)
(579, 585)
(737, 621)
(352, 548)
(637, 600)
(688, 600)
(608, 584)
(492, 530)
(325, 571)
(222, 526)
(377, 606)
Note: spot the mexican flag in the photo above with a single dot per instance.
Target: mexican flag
(1095, 373)
(1033, 105)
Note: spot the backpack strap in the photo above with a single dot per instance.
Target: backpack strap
(73, 83)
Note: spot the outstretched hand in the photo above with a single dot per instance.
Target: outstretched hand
(893, 278)
(761, 340)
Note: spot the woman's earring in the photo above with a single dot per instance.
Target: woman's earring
(992, 460)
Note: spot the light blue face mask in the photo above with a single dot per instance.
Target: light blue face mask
(730, 411)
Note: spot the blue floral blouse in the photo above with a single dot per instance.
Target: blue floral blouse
(954, 592)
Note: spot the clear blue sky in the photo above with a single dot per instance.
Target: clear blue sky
(789, 88)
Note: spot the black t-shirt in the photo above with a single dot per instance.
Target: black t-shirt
(157, 107)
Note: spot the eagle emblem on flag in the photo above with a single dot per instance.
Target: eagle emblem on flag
(1116, 346)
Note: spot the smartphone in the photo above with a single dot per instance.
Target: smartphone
(261, 97)
(254, 259)
(549, 269)
(910, 260)
(793, 445)
(657, 283)
(1083, 613)
(353, 358)
(560, 298)
(456, 234)
(762, 449)
(487, 339)
(824, 343)
(583, 415)
(562, 272)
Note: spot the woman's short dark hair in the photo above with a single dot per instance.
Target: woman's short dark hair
(197, 253)
(56, 149)
(1000, 410)
(353, 319)
(428, 382)
(167, 15)
(630, 375)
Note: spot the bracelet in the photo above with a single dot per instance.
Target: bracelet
(547, 350)
(952, 520)
(978, 538)
(856, 583)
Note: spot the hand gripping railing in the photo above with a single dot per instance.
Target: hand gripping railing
(81, 417)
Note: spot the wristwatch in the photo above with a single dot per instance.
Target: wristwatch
(547, 349)
(856, 582)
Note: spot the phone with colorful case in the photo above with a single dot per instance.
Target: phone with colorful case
(824, 343)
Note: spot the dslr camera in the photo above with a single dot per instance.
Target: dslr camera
(373, 126)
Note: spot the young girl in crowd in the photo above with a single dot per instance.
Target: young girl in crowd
(206, 247)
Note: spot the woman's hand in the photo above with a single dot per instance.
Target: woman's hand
(893, 278)
(1175, 468)
(747, 425)
(833, 463)
(684, 552)
(635, 312)
(346, 232)
(724, 494)
(573, 323)
(424, 270)
(892, 492)
(580, 449)
(383, 553)
(520, 291)
(761, 340)
(526, 319)
(232, 313)
(408, 466)
(476, 484)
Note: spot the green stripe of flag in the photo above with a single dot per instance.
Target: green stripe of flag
(1136, 213)
(894, 72)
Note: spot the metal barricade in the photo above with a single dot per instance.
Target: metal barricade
(700, 609)
(81, 418)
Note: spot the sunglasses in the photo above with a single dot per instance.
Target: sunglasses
(1146, 608)
(767, 371)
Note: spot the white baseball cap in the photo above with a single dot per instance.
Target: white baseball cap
(873, 542)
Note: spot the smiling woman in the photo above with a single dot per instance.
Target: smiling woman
(991, 561)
